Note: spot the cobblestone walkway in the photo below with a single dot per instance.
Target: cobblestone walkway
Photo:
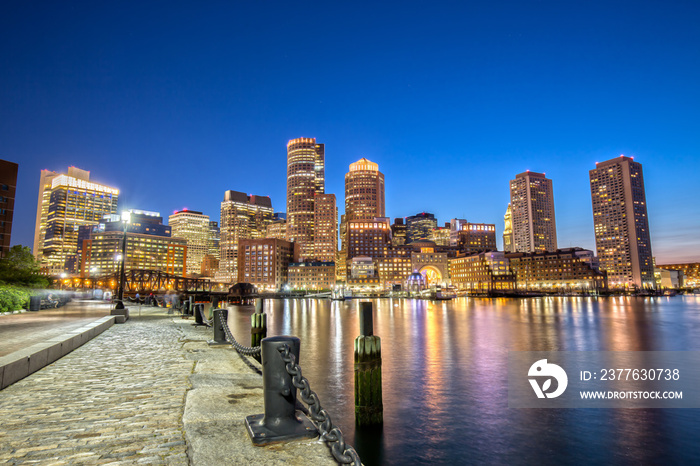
(118, 399)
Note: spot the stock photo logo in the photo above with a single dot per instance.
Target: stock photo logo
(544, 373)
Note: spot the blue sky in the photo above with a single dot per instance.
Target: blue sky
(176, 102)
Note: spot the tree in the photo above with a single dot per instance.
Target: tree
(19, 267)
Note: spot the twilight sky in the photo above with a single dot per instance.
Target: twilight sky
(175, 102)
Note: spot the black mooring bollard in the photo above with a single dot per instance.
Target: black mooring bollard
(281, 421)
(258, 324)
(368, 372)
(220, 316)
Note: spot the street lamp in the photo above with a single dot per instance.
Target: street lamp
(126, 219)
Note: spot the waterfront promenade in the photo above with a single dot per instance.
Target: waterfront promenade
(150, 391)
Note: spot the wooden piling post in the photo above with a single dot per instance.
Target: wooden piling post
(368, 372)
(258, 324)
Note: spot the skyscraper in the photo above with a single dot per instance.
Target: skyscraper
(420, 227)
(193, 227)
(67, 202)
(325, 228)
(532, 206)
(305, 180)
(8, 184)
(364, 191)
(508, 231)
(623, 242)
(242, 217)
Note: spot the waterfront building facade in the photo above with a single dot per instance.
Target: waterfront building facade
(485, 272)
(305, 180)
(455, 228)
(8, 186)
(242, 217)
(194, 227)
(420, 227)
(623, 240)
(690, 270)
(66, 202)
(149, 246)
(441, 235)
(532, 208)
(312, 275)
(570, 269)
(264, 262)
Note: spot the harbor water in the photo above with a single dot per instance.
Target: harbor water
(445, 381)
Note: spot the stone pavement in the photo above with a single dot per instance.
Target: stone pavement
(150, 391)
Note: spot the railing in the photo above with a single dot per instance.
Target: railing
(280, 402)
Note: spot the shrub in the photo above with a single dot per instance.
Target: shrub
(13, 298)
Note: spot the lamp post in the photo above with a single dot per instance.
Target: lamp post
(119, 308)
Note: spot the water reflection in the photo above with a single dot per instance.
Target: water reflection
(445, 376)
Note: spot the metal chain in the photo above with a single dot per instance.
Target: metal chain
(343, 454)
(247, 350)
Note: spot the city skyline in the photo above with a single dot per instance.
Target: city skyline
(451, 113)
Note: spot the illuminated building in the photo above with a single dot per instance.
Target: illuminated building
(570, 269)
(195, 229)
(398, 232)
(277, 229)
(441, 235)
(508, 245)
(420, 227)
(149, 246)
(431, 262)
(476, 237)
(265, 262)
(364, 191)
(242, 217)
(67, 202)
(305, 180)
(312, 275)
(8, 185)
(394, 267)
(485, 272)
(325, 228)
(691, 272)
(532, 207)
(214, 248)
(668, 278)
(622, 238)
(366, 238)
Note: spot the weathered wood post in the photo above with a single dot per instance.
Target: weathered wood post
(368, 372)
(258, 324)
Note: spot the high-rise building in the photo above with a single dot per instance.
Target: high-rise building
(67, 202)
(214, 248)
(364, 191)
(242, 217)
(441, 235)
(194, 227)
(398, 232)
(8, 185)
(455, 228)
(622, 237)
(420, 227)
(508, 231)
(325, 228)
(532, 206)
(305, 180)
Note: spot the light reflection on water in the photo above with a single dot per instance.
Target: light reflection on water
(444, 371)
